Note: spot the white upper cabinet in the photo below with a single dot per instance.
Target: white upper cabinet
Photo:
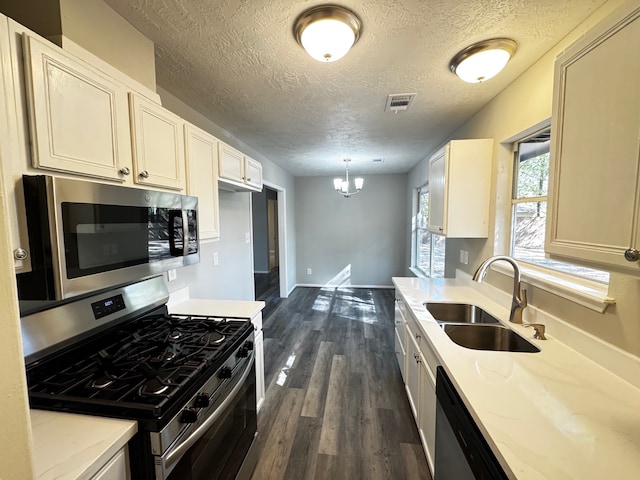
(237, 171)
(594, 185)
(253, 173)
(459, 189)
(201, 151)
(79, 118)
(158, 145)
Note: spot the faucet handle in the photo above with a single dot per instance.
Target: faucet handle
(539, 330)
(523, 301)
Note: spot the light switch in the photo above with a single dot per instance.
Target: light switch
(215, 259)
(172, 274)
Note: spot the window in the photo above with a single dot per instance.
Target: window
(529, 207)
(430, 248)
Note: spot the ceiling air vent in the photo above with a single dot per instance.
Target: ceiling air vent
(399, 102)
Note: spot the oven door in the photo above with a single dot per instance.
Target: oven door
(224, 445)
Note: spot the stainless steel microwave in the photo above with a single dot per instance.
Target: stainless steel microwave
(86, 236)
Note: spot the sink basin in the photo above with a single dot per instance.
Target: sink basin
(459, 313)
(488, 337)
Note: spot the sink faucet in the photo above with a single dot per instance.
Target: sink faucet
(519, 300)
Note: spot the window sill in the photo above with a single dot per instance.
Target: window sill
(590, 294)
(417, 272)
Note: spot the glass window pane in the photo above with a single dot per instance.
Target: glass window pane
(438, 249)
(423, 209)
(528, 231)
(423, 260)
(533, 176)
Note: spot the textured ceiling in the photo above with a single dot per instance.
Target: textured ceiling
(238, 63)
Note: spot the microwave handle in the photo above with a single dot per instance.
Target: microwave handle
(176, 252)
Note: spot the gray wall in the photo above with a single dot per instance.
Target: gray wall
(260, 232)
(233, 277)
(359, 240)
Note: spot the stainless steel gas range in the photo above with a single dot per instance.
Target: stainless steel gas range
(189, 381)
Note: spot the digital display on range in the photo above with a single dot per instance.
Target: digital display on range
(108, 306)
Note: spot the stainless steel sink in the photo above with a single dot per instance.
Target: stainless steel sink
(459, 313)
(488, 337)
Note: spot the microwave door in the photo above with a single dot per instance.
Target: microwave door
(177, 241)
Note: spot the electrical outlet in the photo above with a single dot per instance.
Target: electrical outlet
(172, 274)
(464, 257)
(247, 237)
(215, 259)
(308, 271)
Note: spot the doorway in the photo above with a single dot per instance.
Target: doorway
(266, 250)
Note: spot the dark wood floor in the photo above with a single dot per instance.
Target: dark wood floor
(267, 289)
(335, 406)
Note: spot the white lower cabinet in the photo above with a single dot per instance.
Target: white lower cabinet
(258, 346)
(401, 352)
(418, 365)
(427, 413)
(258, 350)
(115, 469)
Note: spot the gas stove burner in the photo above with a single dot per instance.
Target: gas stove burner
(154, 387)
(101, 382)
(165, 356)
(212, 338)
(175, 335)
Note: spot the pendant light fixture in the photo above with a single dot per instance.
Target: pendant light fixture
(483, 60)
(327, 32)
(342, 185)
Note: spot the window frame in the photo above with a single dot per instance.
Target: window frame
(417, 239)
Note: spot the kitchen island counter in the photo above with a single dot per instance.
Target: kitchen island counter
(548, 415)
(75, 447)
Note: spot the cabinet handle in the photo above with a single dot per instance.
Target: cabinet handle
(20, 254)
(418, 336)
(125, 171)
(417, 358)
(144, 174)
(631, 255)
(248, 179)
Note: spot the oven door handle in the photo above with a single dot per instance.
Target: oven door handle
(180, 450)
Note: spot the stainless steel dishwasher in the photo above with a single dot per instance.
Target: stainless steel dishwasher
(462, 453)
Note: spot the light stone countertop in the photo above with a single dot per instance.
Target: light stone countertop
(549, 415)
(70, 446)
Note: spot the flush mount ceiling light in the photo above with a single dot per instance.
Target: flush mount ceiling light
(342, 185)
(327, 32)
(483, 60)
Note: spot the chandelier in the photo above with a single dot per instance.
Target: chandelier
(342, 185)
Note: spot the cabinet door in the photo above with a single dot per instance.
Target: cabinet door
(115, 469)
(231, 165)
(594, 183)
(202, 178)
(438, 192)
(427, 412)
(158, 145)
(253, 173)
(400, 352)
(258, 346)
(79, 118)
(413, 374)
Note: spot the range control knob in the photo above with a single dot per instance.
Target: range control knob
(201, 401)
(225, 372)
(248, 345)
(243, 352)
(189, 416)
